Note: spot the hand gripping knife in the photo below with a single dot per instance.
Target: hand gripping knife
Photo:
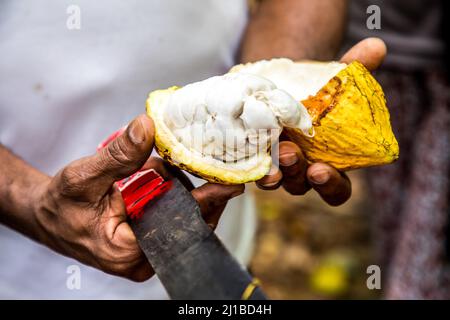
(189, 259)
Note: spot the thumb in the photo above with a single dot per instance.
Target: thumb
(370, 52)
(125, 155)
(91, 177)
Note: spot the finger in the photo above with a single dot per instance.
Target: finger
(293, 166)
(212, 199)
(158, 165)
(271, 180)
(334, 187)
(370, 52)
(143, 271)
(180, 175)
(122, 237)
(93, 176)
(128, 152)
(168, 171)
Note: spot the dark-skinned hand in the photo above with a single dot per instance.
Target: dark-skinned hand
(294, 174)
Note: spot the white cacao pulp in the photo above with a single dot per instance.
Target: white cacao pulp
(232, 117)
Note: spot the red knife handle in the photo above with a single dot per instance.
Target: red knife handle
(139, 188)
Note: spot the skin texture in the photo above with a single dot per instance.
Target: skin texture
(295, 29)
(294, 174)
(312, 35)
(79, 213)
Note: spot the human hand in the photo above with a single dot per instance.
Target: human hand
(81, 214)
(294, 173)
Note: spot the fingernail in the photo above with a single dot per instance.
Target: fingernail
(268, 185)
(288, 159)
(273, 171)
(320, 177)
(136, 132)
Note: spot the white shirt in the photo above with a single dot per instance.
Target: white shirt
(64, 90)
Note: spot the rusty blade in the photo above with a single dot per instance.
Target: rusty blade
(186, 254)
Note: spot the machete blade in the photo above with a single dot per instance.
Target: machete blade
(187, 256)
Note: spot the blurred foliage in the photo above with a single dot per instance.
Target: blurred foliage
(306, 249)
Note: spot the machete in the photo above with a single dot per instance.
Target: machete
(189, 259)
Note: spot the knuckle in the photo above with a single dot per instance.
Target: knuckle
(117, 153)
(70, 181)
(68, 176)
